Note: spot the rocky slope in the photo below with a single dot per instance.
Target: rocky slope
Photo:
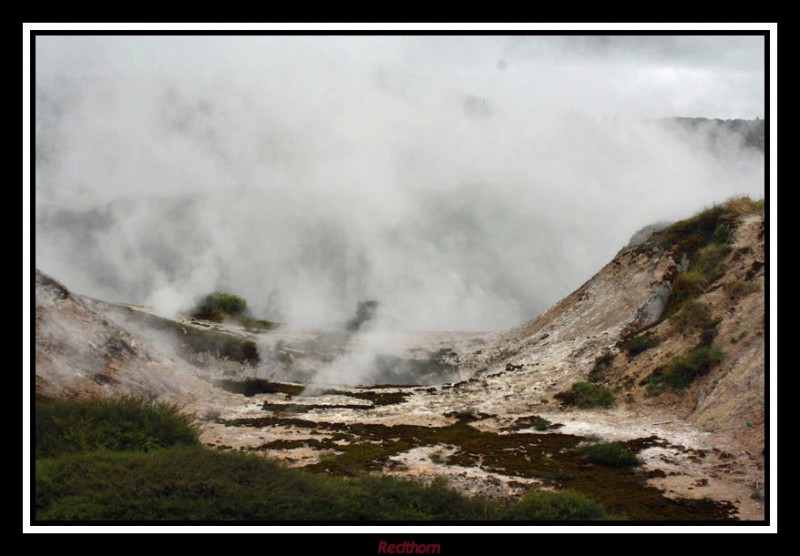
(694, 289)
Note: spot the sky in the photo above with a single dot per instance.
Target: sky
(464, 182)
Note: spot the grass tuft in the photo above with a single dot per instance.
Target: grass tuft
(585, 395)
(116, 424)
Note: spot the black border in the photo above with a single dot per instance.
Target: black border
(370, 540)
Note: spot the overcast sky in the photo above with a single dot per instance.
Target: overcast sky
(465, 181)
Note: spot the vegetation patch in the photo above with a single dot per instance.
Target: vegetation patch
(533, 422)
(380, 398)
(682, 370)
(686, 287)
(688, 236)
(737, 289)
(704, 240)
(566, 505)
(252, 386)
(192, 483)
(585, 395)
(612, 454)
(694, 316)
(709, 262)
(185, 481)
(252, 324)
(706, 269)
(601, 363)
(123, 423)
(219, 305)
(192, 340)
(635, 344)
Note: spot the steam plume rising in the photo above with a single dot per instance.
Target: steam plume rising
(309, 173)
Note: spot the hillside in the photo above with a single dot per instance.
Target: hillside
(666, 342)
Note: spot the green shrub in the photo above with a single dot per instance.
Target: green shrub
(218, 305)
(585, 395)
(612, 454)
(123, 423)
(638, 343)
(565, 505)
(686, 287)
(681, 371)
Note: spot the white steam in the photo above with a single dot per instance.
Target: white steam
(464, 182)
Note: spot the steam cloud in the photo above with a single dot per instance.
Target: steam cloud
(466, 183)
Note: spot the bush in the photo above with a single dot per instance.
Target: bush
(681, 371)
(639, 343)
(565, 505)
(218, 305)
(612, 454)
(686, 287)
(585, 395)
(123, 423)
